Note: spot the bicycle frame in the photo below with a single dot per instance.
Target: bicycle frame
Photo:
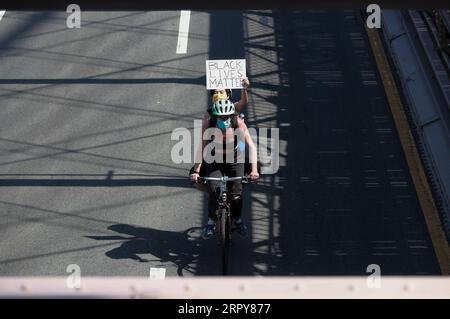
(223, 223)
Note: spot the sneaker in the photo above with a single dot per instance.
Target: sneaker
(241, 228)
(208, 231)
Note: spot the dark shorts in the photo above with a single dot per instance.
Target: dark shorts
(247, 169)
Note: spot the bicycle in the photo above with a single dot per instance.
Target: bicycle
(223, 221)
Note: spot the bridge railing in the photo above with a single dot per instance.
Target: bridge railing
(229, 288)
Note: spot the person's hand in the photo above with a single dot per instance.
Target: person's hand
(254, 176)
(245, 83)
(194, 177)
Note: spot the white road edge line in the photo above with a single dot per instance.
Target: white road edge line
(183, 31)
(157, 273)
(2, 13)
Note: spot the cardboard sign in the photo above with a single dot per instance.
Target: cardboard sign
(225, 74)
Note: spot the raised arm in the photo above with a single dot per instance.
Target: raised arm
(239, 106)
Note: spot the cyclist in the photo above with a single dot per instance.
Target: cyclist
(232, 140)
(225, 94)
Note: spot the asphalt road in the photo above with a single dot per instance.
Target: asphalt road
(86, 175)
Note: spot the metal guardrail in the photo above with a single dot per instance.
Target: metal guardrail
(438, 23)
(424, 104)
(443, 26)
(434, 59)
(230, 288)
(440, 66)
(440, 35)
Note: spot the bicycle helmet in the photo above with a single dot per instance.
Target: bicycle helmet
(223, 107)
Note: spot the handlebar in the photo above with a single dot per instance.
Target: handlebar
(244, 179)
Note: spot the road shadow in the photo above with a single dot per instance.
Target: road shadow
(88, 180)
(92, 81)
(348, 200)
(343, 198)
(160, 247)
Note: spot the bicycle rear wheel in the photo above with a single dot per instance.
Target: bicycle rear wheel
(225, 239)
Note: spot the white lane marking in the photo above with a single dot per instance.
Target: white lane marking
(157, 273)
(183, 31)
(2, 13)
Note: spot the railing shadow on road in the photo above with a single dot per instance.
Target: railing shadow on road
(102, 25)
(339, 206)
(333, 207)
(145, 111)
(75, 180)
(61, 81)
(121, 65)
(56, 152)
(50, 216)
(31, 23)
(109, 28)
(98, 24)
(181, 76)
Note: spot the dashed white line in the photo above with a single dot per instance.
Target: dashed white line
(157, 273)
(183, 31)
(2, 13)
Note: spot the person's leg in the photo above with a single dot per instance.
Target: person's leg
(236, 169)
(213, 170)
(202, 187)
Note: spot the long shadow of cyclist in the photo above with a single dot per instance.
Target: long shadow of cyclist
(179, 248)
(188, 251)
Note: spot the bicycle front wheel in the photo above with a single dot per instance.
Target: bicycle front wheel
(225, 239)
